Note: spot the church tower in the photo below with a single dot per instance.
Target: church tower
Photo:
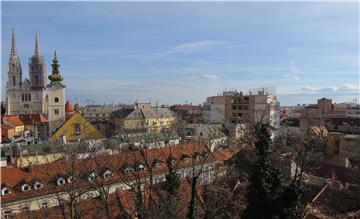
(38, 80)
(14, 79)
(56, 97)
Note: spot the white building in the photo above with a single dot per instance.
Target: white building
(35, 95)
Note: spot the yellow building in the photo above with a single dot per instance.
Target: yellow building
(76, 128)
(142, 117)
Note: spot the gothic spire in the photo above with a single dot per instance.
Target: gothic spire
(13, 52)
(37, 45)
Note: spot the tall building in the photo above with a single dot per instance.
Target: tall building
(235, 106)
(35, 95)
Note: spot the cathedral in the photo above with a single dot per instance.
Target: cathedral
(35, 95)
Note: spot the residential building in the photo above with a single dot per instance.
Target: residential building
(212, 134)
(76, 128)
(142, 117)
(14, 121)
(34, 187)
(189, 113)
(7, 133)
(99, 116)
(235, 106)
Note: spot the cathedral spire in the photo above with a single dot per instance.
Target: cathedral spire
(13, 52)
(37, 45)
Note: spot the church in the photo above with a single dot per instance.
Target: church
(35, 95)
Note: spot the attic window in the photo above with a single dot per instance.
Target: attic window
(77, 129)
(91, 177)
(128, 169)
(141, 167)
(158, 163)
(107, 174)
(60, 181)
(25, 187)
(38, 185)
(5, 191)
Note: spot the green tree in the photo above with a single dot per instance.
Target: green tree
(268, 195)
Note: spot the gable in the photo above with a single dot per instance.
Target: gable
(76, 127)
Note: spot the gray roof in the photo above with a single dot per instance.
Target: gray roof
(157, 112)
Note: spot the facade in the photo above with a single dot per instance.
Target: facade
(33, 188)
(76, 128)
(142, 118)
(99, 116)
(235, 106)
(189, 113)
(35, 95)
(345, 145)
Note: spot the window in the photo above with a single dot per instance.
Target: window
(25, 187)
(60, 181)
(107, 174)
(77, 129)
(14, 96)
(22, 97)
(44, 205)
(56, 111)
(37, 80)
(38, 185)
(14, 80)
(5, 191)
(7, 213)
(29, 97)
(92, 177)
(141, 167)
(56, 99)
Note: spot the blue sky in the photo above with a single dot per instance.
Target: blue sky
(183, 52)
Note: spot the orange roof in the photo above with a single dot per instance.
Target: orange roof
(46, 173)
(69, 107)
(30, 119)
(14, 120)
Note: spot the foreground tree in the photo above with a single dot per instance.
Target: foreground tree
(268, 194)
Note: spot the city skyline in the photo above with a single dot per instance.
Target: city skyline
(176, 52)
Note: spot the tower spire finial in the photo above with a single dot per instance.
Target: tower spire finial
(37, 45)
(13, 52)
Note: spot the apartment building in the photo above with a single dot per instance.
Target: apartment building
(233, 106)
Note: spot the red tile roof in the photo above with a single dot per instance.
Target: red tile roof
(47, 173)
(14, 120)
(30, 119)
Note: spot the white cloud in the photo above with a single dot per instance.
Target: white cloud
(345, 88)
(210, 77)
(185, 48)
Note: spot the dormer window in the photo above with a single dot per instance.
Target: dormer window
(92, 176)
(5, 191)
(141, 167)
(128, 169)
(107, 174)
(60, 181)
(38, 185)
(158, 163)
(185, 158)
(25, 187)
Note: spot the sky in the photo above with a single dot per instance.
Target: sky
(168, 53)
